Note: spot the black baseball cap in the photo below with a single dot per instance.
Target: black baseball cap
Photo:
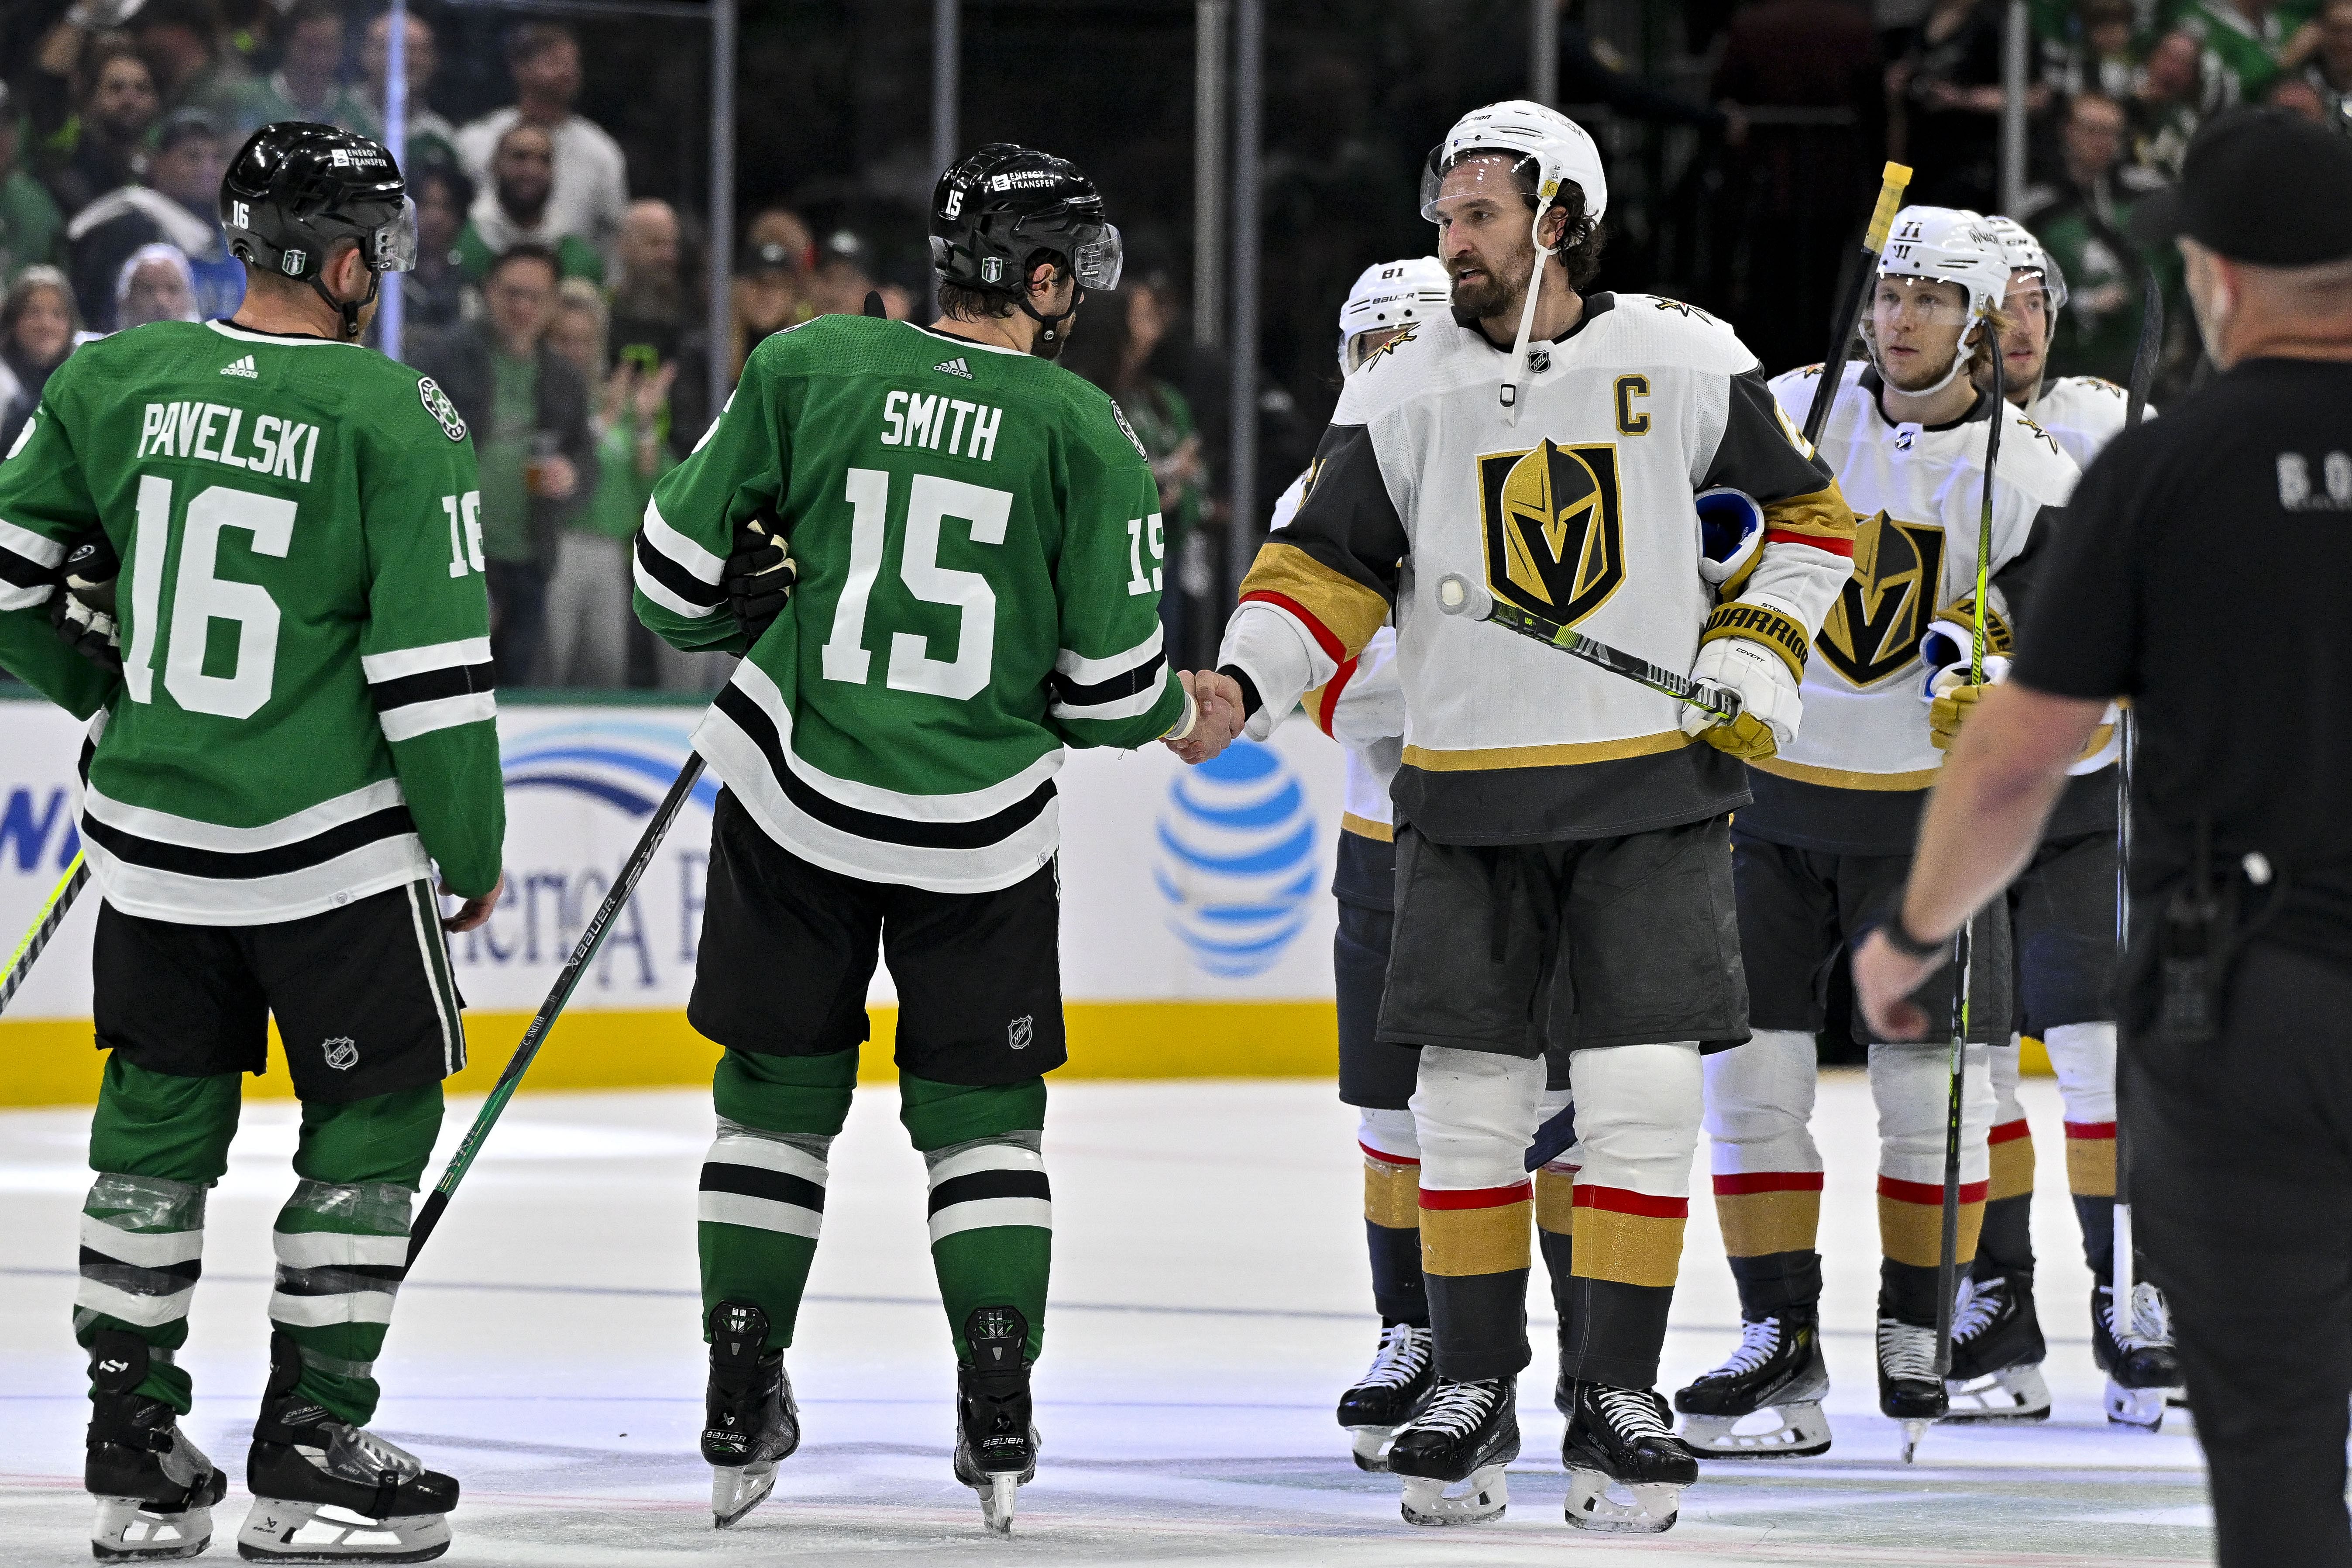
(2264, 186)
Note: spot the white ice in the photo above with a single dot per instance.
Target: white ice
(1210, 1302)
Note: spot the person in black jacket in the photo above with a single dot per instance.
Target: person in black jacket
(527, 408)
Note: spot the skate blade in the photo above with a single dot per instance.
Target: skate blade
(737, 1489)
(278, 1531)
(128, 1530)
(996, 1500)
(2009, 1397)
(1483, 1498)
(1913, 1431)
(1369, 1447)
(2142, 1408)
(1789, 1432)
(1621, 1508)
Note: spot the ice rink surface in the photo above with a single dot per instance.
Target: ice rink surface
(1210, 1302)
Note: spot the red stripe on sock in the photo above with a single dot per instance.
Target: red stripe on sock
(1843, 548)
(1929, 1194)
(1619, 1199)
(2008, 1132)
(1745, 1182)
(2091, 1129)
(1387, 1158)
(1321, 633)
(1477, 1198)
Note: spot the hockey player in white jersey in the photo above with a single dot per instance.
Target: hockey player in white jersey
(1828, 841)
(2063, 912)
(1563, 875)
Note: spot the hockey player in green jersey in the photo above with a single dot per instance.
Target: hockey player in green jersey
(286, 676)
(974, 570)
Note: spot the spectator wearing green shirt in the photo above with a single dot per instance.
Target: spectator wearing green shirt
(588, 617)
(29, 219)
(528, 409)
(513, 211)
(307, 84)
(2083, 218)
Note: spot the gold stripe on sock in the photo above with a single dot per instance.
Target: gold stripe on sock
(1476, 1241)
(1391, 1194)
(2012, 1169)
(1629, 1248)
(1914, 1233)
(2091, 1167)
(1758, 1224)
(1556, 1202)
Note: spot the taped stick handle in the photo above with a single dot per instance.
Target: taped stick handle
(1893, 181)
(51, 915)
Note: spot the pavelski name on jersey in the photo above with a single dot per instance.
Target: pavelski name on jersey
(1582, 512)
(281, 447)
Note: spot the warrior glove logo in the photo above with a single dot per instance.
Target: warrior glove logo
(342, 1052)
(1554, 533)
(1873, 630)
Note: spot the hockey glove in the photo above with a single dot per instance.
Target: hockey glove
(758, 578)
(1951, 699)
(81, 611)
(1755, 651)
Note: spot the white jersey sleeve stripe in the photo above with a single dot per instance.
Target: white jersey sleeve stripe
(382, 667)
(690, 556)
(44, 553)
(405, 723)
(1083, 671)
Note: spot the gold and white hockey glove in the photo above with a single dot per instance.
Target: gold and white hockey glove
(1951, 699)
(1755, 650)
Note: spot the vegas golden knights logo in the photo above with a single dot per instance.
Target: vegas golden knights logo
(1886, 606)
(1555, 535)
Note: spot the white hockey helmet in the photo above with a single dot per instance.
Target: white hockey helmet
(1391, 294)
(1561, 150)
(2025, 253)
(1951, 246)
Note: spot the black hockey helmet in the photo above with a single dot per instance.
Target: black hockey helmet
(997, 208)
(295, 189)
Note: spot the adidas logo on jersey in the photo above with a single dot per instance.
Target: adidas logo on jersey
(243, 367)
(954, 367)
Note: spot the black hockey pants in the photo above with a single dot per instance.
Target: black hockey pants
(2241, 1190)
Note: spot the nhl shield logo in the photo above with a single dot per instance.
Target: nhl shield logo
(1873, 630)
(342, 1052)
(1017, 1033)
(1554, 533)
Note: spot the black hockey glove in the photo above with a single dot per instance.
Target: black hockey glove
(758, 578)
(81, 611)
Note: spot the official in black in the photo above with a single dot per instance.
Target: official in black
(2205, 573)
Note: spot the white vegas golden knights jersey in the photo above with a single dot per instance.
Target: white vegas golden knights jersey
(2083, 414)
(1582, 513)
(1854, 778)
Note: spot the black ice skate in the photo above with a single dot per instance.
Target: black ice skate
(1402, 1372)
(996, 1441)
(324, 1492)
(1765, 1402)
(1462, 1437)
(2134, 1348)
(155, 1489)
(1908, 1389)
(1997, 1354)
(749, 1421)
(1626, 1468)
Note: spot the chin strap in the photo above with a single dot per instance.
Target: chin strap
(1517, 364)
(1961, 357)
(1050, 334)
(349, 310)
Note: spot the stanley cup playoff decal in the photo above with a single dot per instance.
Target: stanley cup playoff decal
(1554, 532)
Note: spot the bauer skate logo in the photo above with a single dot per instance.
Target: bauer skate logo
(1018, 1033)
(437, 403)
(1554, 534)
(1873, 630)
(342, 1052)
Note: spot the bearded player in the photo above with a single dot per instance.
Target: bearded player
(1562, 855)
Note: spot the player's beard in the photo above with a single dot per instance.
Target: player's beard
(1490, 297)
(1049, 346)
(1922, 380)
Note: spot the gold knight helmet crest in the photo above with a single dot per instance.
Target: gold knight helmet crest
(1554, 539)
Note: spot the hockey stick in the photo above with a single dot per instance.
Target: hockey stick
(1948, 1261)
(1457, 595)
(1898, 177)
(45, 926)
(2123, 1272)
(557, 994)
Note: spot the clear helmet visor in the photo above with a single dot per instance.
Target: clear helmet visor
(392, 247)
(1097, 262)
(1478, 178)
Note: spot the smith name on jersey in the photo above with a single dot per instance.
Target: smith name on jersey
(1582, 512)
(978, 542)
(304, 715)
(1854, 779)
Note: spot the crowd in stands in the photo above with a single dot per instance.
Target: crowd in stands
(562, 306)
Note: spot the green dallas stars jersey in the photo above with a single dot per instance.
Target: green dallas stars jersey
(304, 714)
(979, 544)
